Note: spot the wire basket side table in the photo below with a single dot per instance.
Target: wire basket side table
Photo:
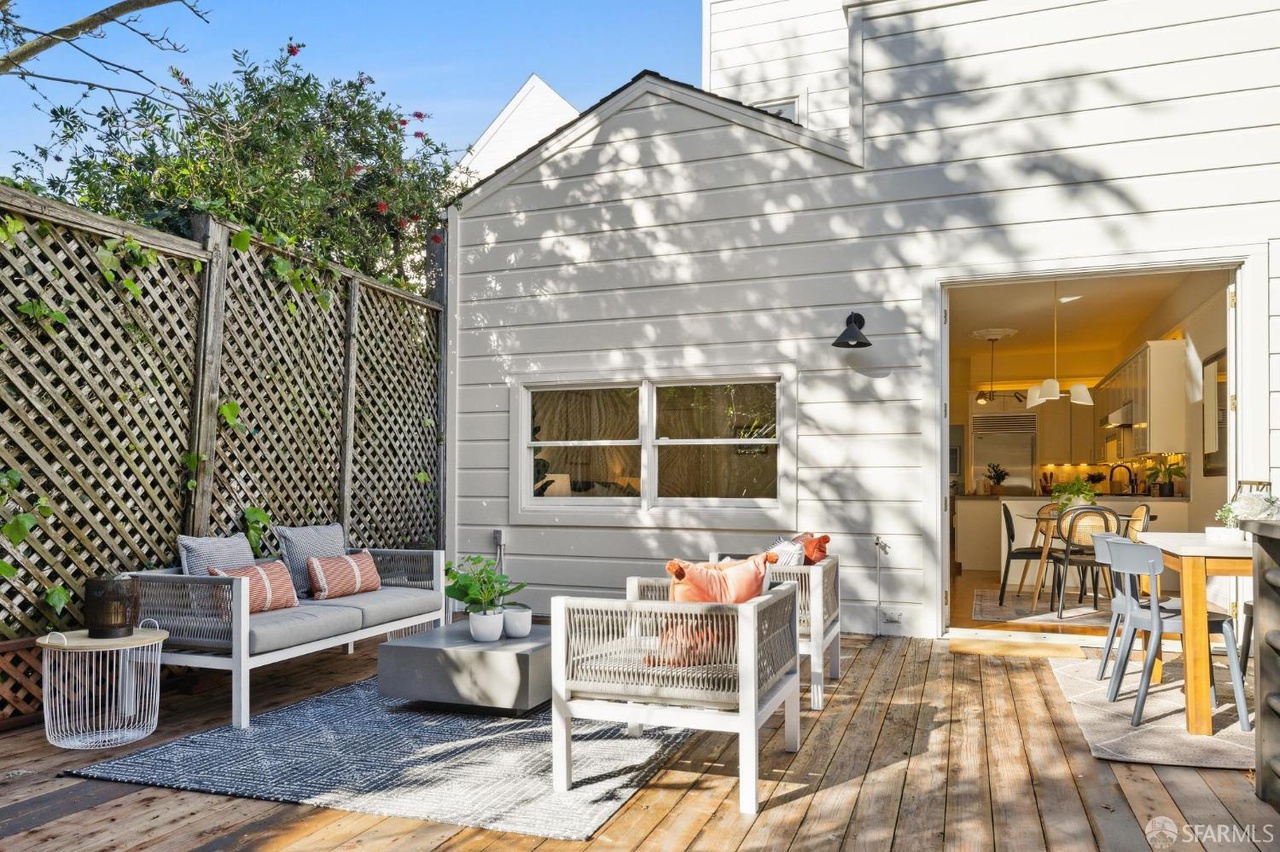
(100, 693)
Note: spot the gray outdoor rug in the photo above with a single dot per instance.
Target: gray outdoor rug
(354, 750)
(1162, 737)
(986, 607)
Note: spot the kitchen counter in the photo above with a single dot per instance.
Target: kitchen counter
(980, 540)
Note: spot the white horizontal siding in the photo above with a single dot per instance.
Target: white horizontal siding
(1033, 132)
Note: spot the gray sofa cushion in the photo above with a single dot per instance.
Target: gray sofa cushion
(390, 603)
(298, 544)
(198, 554)
(298, 625)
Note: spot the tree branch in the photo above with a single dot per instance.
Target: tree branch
(11, 61)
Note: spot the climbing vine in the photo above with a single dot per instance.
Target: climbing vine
(18, 526)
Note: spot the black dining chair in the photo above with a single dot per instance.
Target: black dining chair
(1076, 528)
(1014, 554)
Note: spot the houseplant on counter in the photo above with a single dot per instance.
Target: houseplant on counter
(1074, 492)
(478, 586)
(997, 474)
(1162, 471)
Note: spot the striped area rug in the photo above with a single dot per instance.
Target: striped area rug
(354, 750)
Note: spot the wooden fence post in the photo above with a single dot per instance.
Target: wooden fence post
(347, 460)
(213, 235)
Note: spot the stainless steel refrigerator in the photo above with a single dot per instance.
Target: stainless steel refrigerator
(1009, 445)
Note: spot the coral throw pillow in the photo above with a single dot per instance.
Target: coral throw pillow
(339, 576)
(734, 582)
(815, 547)
(270, 586)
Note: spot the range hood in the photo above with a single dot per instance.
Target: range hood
(1122, 416)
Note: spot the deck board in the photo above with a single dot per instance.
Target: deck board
(919, 747)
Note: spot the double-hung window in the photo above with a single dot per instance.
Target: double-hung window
(649, 446)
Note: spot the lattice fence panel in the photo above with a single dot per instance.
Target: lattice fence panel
(95, 411)
(396, 436)
(20, 690)
(284, 366)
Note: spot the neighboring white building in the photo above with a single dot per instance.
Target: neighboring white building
(532, 114)
(672, 236)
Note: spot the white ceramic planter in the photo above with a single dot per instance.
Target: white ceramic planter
(485, 626)
(1223, 534)
(517, 622)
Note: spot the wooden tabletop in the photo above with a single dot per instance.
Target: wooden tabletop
(78, 640)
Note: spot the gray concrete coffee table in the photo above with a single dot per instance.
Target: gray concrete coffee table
(445, 666)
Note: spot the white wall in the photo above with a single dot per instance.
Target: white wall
(1004, 138)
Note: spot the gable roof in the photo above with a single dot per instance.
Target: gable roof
(533, 111)
(651, 82)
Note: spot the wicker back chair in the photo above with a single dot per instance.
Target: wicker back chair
(818, 603)
(1076, 527)
(714, 667)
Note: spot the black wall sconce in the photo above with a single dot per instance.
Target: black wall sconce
(852, 336)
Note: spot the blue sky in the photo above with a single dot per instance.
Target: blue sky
(460, 61)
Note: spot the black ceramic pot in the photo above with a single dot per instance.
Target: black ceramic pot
(111, 606)
(1166, 489)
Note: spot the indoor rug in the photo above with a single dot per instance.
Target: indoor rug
(1162, 737)
(354, 750)
(986, 607)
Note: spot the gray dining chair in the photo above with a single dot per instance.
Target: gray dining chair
(1130, 562)
(1119, 605)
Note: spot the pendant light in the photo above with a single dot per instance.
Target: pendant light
(991, 335)
(1049, 388)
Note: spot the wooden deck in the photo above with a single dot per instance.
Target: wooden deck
(919, 748)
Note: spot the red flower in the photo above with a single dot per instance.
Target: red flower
(355, 170)
(419, 135)
(437, 239)
(293, 49)
(404, 122)
(381, 207)
(420, 115)
(402, 223)
(413, 217)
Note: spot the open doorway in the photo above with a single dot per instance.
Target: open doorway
(1129, 354)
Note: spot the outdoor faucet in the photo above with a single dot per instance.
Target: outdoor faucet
(1112, 478)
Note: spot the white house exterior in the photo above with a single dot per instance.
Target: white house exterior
(670, 236)
(533, 112)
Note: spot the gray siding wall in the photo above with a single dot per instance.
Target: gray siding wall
(1002, 137)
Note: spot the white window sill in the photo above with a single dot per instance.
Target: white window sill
(765, 517)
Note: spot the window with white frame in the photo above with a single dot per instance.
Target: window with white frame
(654, 443)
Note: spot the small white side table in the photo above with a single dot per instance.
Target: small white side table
(100, 693)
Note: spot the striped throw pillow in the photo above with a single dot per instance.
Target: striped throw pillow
(270, 586)
(339, 576)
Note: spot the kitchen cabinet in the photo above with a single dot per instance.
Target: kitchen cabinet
(1053, 432)
(1148, 387)
(1082, 429)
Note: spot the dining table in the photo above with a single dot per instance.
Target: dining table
(1196, 558)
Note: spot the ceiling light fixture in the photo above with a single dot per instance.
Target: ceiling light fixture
(1049, 388)
(991, 335)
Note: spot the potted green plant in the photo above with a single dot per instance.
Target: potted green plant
(1074, 492)
(517, 618)
(478, 586)
(997, 475)
(1160, 475)
(1230, 529)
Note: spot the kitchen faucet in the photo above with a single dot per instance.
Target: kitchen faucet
(1112, 478)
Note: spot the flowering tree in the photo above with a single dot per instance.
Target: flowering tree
(327, 168)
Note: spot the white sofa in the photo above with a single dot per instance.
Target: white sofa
(210, 626)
